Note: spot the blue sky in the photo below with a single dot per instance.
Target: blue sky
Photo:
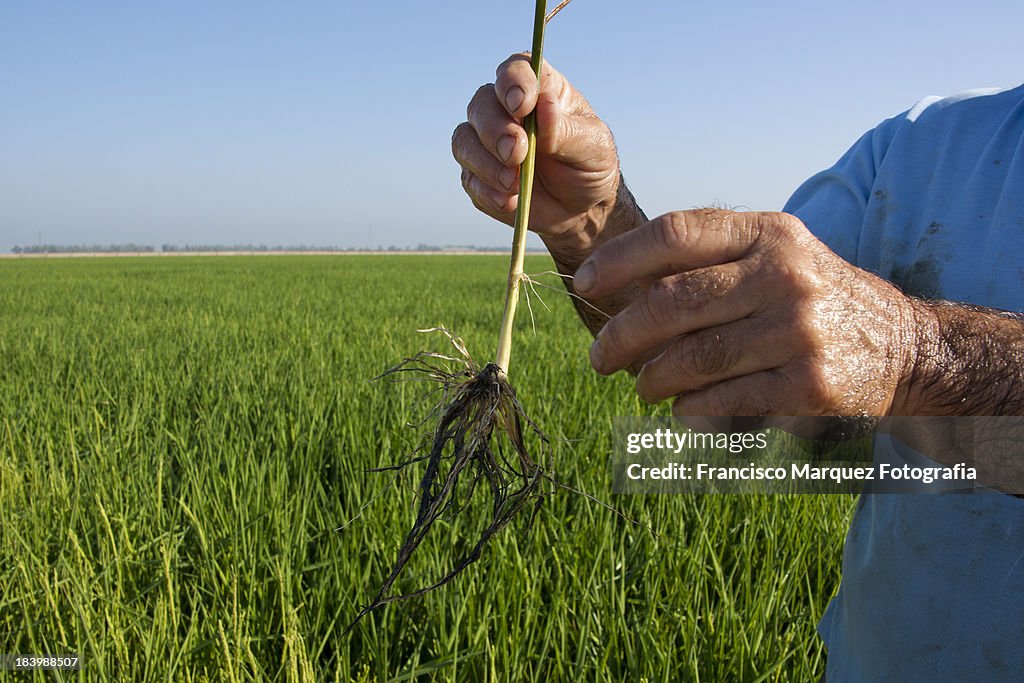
(310, 122)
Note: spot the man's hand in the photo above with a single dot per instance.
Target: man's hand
(577, 172)
(579, 198)
(749, 314)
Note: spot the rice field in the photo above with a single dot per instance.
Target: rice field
(181, 438)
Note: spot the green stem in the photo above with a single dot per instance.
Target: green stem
(515, 270)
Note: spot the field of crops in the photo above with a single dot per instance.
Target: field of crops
(180, 439)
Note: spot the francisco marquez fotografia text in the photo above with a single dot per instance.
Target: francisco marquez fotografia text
(805, 471)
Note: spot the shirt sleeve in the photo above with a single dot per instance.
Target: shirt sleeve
(832, 203)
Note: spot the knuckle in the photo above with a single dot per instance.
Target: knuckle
(694, 290)
(480, 206)
(655, 308)
(788, 224)
(672, 231)
(776, 227)
(710, 354)
(470, 184)
(483, 92)
(574, 128)
(612, 339)
(460, 136)
(715, 219)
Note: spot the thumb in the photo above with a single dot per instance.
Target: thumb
(568, 130)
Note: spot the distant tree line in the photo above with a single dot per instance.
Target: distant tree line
(130, 248)
(187, 248)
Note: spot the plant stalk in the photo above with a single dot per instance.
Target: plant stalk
(515, 270)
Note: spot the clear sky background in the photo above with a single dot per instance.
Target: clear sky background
(329, 123)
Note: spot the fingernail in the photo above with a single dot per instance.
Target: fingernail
(585, 278)
(514, 98)
(498, 200)
(596, 359)
(507, 177)
(506, 143)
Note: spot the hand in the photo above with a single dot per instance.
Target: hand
(749, 314)
(577, 171)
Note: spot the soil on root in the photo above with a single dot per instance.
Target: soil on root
(478, 441)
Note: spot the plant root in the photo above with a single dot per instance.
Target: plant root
(479, 439)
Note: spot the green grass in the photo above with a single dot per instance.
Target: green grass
(181, 437)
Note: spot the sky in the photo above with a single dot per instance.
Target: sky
(329, 123)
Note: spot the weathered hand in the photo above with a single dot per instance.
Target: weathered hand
(749, 314)
(577, 171)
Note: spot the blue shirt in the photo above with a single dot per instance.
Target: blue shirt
(933, 201)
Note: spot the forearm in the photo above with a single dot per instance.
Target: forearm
(569, 251)
(968, 361)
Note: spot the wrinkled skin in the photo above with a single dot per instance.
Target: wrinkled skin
(749, 315)
(728, 313)
(577, 172)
